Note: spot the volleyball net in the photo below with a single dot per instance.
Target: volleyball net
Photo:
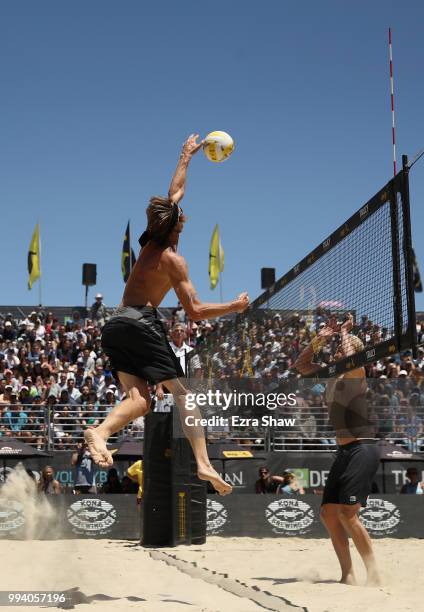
(364, 267)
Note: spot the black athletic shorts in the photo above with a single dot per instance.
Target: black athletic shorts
(134, 339)
(352, 473)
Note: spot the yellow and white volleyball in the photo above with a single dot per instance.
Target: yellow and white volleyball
(218, 146)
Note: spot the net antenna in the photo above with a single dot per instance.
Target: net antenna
(392, 101)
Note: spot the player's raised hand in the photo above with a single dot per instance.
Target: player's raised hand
(191, 146)
(242, 302)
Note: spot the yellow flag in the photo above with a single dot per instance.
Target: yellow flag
(34, 257)
(216, 258)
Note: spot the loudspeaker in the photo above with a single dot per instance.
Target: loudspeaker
(89, 274)
(267, 277)
(173, 507)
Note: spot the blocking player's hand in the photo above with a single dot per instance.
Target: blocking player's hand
(191, 146)
(348, 324)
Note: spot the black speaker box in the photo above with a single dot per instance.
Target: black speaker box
(267, 277)
(89, 274)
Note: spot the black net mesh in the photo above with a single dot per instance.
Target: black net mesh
(359, 269)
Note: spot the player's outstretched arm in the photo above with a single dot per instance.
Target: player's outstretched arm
(186, 293)
(177, 187)
(304, 363)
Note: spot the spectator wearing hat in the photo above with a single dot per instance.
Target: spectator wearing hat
(5, 396)
(109, 398)
(12, 360)
(98, 311)
(39, 329)
(24, 397)
(9, 333)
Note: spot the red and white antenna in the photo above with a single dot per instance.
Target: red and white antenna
(392, 101)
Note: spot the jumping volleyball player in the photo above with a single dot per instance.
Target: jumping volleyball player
(357, 459)
(134, 338)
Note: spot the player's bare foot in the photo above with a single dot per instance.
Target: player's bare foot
(373, 579)
(349, 579)
(215, 479)
(98, 449)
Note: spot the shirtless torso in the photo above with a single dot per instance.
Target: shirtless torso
(149, 280)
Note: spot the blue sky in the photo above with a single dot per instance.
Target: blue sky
(97, 98)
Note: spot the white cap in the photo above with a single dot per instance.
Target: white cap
(98, 295)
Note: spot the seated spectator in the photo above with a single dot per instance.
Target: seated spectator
(290, 485)
(414, 486)
(128, 486)
(112, 484)
(14, 416)
(89, 416)
(47, 483)
(267, 483)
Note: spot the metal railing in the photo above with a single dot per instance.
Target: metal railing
(57, 428)
(61, 428)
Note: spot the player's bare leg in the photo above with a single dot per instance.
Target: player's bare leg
(339, 539)
(196, 437)
(350, 521)
(135, 405)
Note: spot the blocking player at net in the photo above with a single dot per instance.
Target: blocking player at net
(357, 459)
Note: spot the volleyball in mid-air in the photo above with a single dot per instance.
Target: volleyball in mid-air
(218, 146)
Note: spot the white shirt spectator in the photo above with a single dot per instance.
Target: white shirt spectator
(181, 353)
(11, 360)
(165, 404)
(40, 331)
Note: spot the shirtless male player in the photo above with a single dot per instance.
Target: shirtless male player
(357, 459)
(134, 337)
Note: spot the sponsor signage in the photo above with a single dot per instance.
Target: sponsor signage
(254, 516)
(11, 517)
(216, 517)
(91, 515)
(290, 516)
(381, 517)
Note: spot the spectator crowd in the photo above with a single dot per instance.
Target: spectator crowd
(55, 379)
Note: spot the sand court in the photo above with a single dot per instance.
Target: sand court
(240, 574)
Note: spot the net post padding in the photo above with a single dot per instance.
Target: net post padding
(173, 507)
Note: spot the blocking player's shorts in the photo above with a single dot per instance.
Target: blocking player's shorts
(135, 341)
(352, 473)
